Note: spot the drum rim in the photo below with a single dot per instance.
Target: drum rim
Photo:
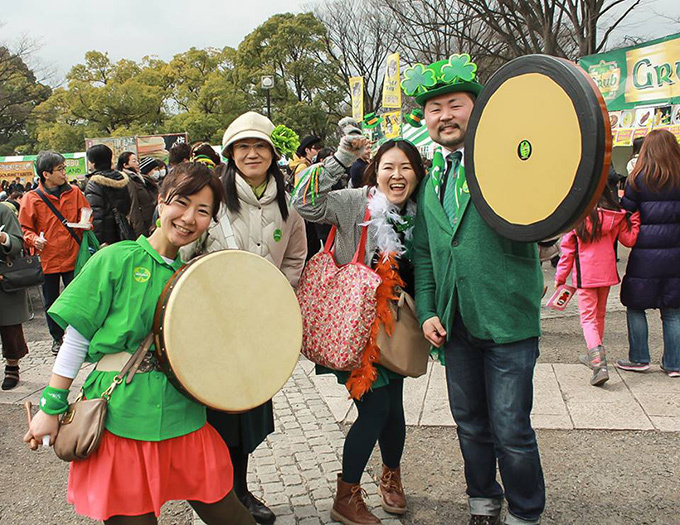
(159, 332)
(594, 153)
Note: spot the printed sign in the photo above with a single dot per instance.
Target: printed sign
(391, 125)
(158, 146)
(391, 88)
(117, 144)
(648, 74)
(356, 88)
(11, 170)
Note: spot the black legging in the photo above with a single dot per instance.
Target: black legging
(381, 419)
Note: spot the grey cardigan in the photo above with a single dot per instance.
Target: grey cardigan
(343, 208)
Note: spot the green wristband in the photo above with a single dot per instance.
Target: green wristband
(54, 401)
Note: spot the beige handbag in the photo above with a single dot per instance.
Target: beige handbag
(406, 351)
(82, 425)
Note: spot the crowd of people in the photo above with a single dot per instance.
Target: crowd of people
(477, 295)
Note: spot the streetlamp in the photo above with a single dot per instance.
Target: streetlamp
(267, 83)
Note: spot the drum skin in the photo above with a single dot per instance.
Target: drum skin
(538, 148)
(228, 330)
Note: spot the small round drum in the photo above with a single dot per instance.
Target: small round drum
(228, 330)
(538, 148)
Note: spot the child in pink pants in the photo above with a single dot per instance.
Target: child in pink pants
(588, 254)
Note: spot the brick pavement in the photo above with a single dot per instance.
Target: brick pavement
(294, 471)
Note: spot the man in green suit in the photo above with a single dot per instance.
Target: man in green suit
(478, 299)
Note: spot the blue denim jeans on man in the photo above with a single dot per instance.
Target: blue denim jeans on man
(491, 394)
(638, 337)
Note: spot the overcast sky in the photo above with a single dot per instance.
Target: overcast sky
(134, 28)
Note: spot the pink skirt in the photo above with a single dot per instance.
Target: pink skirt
(125, 477)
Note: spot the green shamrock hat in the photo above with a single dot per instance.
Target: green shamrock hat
(455, 74)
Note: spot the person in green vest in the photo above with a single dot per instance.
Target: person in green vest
(478, 300)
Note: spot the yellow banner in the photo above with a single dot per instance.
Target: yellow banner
(653, 72)
(356, 88)
(391, 124)
(391, 88)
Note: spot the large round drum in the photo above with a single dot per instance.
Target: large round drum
(228, 330)
(538, 148)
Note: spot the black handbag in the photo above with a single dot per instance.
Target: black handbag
(20, 272)
(124, 229)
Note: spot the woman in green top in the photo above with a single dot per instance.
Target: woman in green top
(391, 180)
(152, 430)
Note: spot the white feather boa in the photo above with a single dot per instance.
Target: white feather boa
(383, 215)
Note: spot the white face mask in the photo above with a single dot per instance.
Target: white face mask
(158, 175)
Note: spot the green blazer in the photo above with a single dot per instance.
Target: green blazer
(494, 283)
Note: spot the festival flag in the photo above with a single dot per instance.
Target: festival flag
(391, 125)
(356, 88)
(391, 88)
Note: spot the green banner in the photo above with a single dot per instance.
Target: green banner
(643, 75)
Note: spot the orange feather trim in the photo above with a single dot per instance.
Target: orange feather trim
(361, 379)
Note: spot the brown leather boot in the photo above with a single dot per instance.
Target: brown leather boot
(349, 506)
(392, 491)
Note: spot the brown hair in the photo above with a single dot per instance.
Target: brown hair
(188, 178)
(590, 228)
(411, 152)
(658, 165)
(203, 148)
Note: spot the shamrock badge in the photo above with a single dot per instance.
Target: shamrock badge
(460, 68)
(417, 79)
(277, 235)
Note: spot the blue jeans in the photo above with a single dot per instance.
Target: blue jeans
(638, 337)
(491, 394)
(51, 291)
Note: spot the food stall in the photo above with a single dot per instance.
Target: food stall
(641, 86)
(24, 167)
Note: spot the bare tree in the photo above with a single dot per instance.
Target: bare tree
(430, 30)
(495, 31)
(360, 36)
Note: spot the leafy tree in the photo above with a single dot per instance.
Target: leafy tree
(20, 93)
(307, 89)
(102, 99)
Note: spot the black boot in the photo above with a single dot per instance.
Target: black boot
(259, 511)
(11, 377)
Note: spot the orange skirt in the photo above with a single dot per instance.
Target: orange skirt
(125, 477)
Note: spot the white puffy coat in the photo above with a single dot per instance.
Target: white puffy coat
(256, 228)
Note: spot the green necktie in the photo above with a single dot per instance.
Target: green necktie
(453, 188)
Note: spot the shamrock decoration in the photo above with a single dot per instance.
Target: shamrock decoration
(417, 79)
(459, 69)
(285, 140)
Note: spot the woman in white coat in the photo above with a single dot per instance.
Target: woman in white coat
(255, 218)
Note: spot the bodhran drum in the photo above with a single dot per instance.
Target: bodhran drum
(538, 148)
(228, 330)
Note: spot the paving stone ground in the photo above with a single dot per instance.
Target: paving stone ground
(295, 470)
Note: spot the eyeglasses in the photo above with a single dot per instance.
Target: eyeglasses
(59, 168)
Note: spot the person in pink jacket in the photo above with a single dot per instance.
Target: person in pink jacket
(588, 255)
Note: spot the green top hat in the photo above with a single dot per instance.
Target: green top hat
(455, 74)
(415, 118)
(371, 121)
